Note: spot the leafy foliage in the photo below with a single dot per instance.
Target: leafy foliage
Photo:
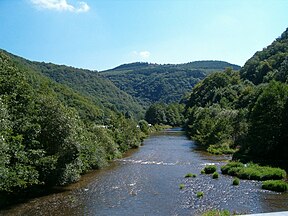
(244, 111)
(268, 64)
(266, 135)
(50, 134)
(160, 113)
(88, 83)
(151, 83)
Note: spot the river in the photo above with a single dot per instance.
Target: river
(146, 182)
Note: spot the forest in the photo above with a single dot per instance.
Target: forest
(51, 134)
(155, 83)
(245, 112)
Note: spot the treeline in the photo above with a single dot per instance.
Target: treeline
(50, 134)
(165, 114)
(245, 111)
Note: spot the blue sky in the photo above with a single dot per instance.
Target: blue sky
(102, 34)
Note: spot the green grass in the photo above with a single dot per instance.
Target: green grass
(181, 186)
(203, 171)
(236, 181)
(275, 185)
(210, 169)
(253, 171)
(217, 213)
(230, 165)
(220, 150)
(215, 175)
(190, 175)
(200, 194)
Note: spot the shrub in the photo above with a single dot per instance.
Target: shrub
(181, 186)
(203, 171)
(236, 181)
(200, 194)
(189, 175)
(210, 169)
(275, 185)
(215, 175)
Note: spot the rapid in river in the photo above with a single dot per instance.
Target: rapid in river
(146, 182)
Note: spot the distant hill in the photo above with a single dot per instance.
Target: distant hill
(151, 83)
(88, 83)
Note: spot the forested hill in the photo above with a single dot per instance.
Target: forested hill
(245, 111)
(269, 64)
(50, 134)
(151, 83)
(89, 83)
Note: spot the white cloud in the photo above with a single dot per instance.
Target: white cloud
(83, 7)
(61, 5)
(142, 54)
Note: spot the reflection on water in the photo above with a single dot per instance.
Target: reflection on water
(146, 182)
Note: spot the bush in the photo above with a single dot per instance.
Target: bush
(275, 185)
(189, 175)
(181, 186)
(236, 181)
(200, 194)
(215, 175)
(210, 169)
(203, 171)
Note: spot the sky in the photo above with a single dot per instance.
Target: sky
(102, 34)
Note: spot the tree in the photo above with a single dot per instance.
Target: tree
(267, 122)
(156, 114)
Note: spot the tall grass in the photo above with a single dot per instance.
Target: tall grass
(217, 213)
(215, 175)
(253, 171)
(275, 185)
(190, 175)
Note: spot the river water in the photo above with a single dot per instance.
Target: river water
(146, 182)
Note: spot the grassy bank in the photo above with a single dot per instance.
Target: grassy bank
(253, 171)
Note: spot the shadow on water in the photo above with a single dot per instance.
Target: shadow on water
(146, 182)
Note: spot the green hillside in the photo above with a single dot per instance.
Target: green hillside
(245, 111)
(151, 83)
(50, 134)
(269, 64)
(89, 83)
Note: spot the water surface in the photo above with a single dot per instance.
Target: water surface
(146, 182)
